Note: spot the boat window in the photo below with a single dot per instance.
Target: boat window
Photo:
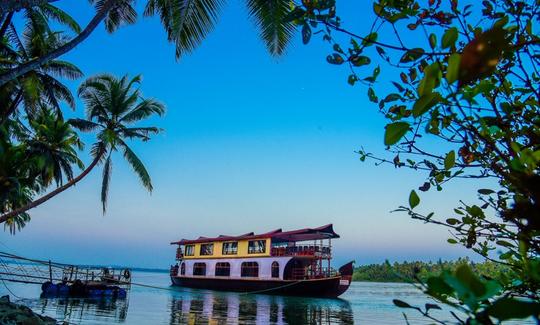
(199, 269)
(230, 248)
(275, 269)
(207, 249)
(249, 269)
(183, 268)
(189, 250)
(223, 269)
(256, 246)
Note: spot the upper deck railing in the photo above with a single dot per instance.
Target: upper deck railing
(302, 250)
(296, 250)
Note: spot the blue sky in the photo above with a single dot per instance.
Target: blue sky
(252, 143)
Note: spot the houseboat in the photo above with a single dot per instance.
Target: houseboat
(296, 262)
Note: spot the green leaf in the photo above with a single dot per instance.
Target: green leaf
(505, 243)
(485, 191)
(412, 55)
(394, 132)
(414, 200)
(424, 103)
(432, 40)
(369, 39)
(401, 304)
(437, 286)
(306, 33)
(451, 241)
(360, 60)
(432, 76)
(372, 96)
(432, 306)
(452, 71)
(335, 59)
(352, 79)
(452, 221)
(449, 38)
(450, 160)
(508, 308)
(467, 285)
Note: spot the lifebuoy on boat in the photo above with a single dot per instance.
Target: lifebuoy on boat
(127, 274)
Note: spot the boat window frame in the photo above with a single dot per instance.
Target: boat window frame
(211, 245)
(226, 252)
(250, 248)
(219, 265)
(191, 251)
(196, 266)
(183, 268)
(253, 266)
(273, 267)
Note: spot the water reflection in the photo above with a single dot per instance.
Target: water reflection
(75, 310)
(224, 308)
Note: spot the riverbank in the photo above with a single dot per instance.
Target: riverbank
(11, 313)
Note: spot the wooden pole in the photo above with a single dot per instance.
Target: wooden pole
(329, 254)
(50, 271)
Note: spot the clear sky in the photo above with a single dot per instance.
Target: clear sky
(252, 143)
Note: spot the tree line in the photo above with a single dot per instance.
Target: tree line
(413, 271)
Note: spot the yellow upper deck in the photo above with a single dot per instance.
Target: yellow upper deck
(219, 249)
(250, 244)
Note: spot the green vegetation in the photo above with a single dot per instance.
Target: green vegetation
(459, 85)
(414, 271)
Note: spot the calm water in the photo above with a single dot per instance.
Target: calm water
(363, 303)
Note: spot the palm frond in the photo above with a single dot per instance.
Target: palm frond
(84, 125)
(60, 16)
(98, 150)
(122, 13)
(13, 36)
(269, 17)
(141, 133)
(107, 169)
(137, 166)
(63, 69)
(187, 22)
(17, 222)
(55, 90)
(144, 109)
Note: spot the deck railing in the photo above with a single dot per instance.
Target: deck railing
(307, 274)
(302, 250)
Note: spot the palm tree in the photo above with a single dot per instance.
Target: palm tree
(39, 87)
(43, 152)
(187, 23)
(113, 106)
(52, 146)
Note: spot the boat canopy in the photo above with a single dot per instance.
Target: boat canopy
(277, 236)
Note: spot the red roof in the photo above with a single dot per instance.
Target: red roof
(277, 235)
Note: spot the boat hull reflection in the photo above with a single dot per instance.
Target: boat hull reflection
(202, 306)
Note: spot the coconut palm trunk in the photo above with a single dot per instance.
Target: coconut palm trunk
(36, 63)
(58, 190)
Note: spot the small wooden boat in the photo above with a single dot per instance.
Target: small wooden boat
(280, 262)
(65, 280)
